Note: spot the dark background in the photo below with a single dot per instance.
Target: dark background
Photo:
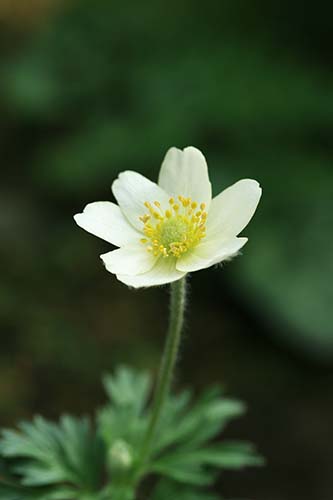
(89, 89)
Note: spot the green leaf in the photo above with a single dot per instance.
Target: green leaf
(184, 473)
(199, 466)
(121, 492)
(167, 490)
(231, 455)
(191, 427)
(47, 453)
(125, 417)
(8, 492)
(128, 388)
(66, 461)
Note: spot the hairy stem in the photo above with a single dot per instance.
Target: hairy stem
(168, 362)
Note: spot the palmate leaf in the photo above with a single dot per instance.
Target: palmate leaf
(68, 461)
(128, 388)
(199, 467)
(170, 490)
(189, 427)
(182, 472)
(182, 449)
(10, 491)
(43, 453)
(120, 492)
(125, 416)
(229, 455)
(55, 493)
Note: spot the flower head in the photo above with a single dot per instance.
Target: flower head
(168, 229)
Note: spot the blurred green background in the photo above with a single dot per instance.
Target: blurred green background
(89, 89)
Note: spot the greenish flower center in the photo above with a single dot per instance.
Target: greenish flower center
(173, 231)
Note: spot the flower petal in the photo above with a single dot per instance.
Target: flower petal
(233, 208)
(164, 271)
(209, 253)
(185, 173)
(131, 190)
(105, 220)
(131, 259)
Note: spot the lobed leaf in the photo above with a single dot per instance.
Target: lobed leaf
(167, 490)
(43, 453)
(190, 427)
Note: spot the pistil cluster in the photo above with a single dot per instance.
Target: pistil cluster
(172, 232)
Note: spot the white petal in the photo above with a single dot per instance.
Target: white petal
(131, 259)
(233, 209)
(105, 220)
(163, 272)
(185, 173)
(131, 190)
(209, 253)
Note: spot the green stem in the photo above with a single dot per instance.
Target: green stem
(177, 307)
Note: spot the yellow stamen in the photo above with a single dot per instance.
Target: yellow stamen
(171, 233)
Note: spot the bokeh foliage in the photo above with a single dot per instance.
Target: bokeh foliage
(108, 88)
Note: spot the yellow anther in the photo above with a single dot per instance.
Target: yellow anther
(173, 232)
(203, 206)
(144, 218)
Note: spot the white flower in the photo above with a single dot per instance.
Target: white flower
(168, 229)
